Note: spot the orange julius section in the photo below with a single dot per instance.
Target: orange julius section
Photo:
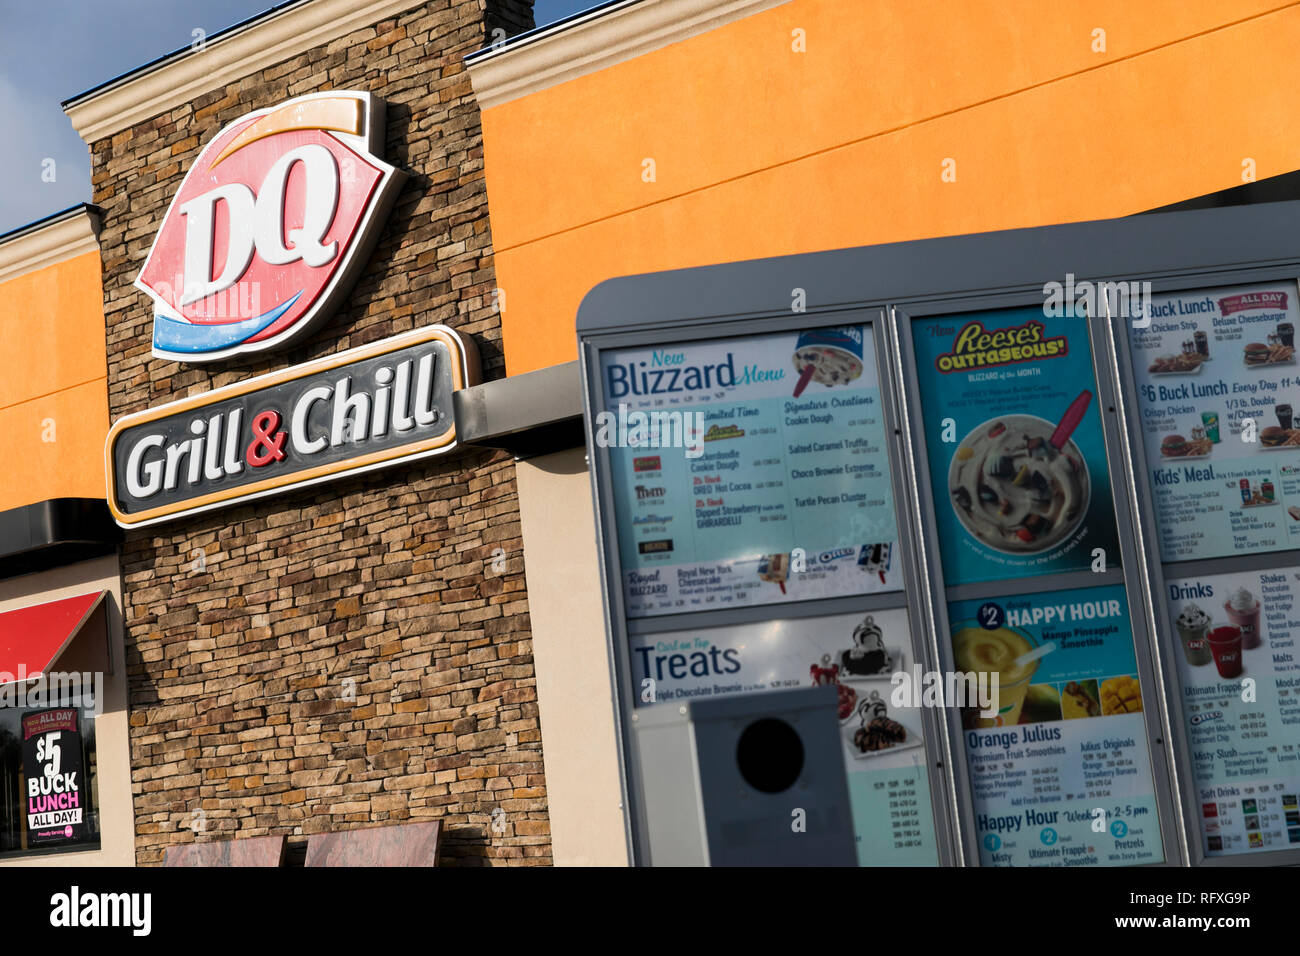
(761, 151)
(54, 393)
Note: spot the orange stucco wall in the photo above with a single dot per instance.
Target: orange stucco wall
(761, 151)
(54, 391)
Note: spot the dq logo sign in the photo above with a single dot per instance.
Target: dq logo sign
(269, 227)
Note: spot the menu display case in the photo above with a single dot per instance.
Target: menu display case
(752, 546)
(1091, 495)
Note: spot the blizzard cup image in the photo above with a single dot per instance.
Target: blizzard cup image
(1014, 490)
(828, 357)
(979, 650)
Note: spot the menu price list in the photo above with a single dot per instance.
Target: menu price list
(898, 800)
(782, 489)
(1259, 817)
(1239, 679)
(1070, 800)
(1060, 768)
(1217, 381)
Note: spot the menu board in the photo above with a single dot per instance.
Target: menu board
(749, 471)
(881, 736)
(1061, 775)
(1217, 379)
(1014, 438)
(1239, 678)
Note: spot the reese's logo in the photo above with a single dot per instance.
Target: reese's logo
(976, 347)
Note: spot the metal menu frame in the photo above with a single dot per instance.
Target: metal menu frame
(619, 627)
(1158, 571)
(888, 285)
(1128, 574)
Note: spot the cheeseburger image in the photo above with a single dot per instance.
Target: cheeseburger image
(1273, 436)
(1256, 353)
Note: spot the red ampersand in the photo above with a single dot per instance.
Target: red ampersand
(266, 437)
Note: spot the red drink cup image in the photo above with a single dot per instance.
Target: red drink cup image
(828, 356)
(1225, 645)
(1242, 609)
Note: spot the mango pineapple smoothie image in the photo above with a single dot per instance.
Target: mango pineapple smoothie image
(982, 651)
(1121, 695)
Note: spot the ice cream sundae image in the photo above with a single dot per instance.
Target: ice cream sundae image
(828, 357)
(867, 656)
(878, 731)
(829, 673)
(1019, 483)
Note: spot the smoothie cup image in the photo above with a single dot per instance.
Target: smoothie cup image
(979, 650)
(1243, 611)
(1193, 624)
(1225, 645)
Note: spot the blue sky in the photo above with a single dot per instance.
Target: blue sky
(52, 50)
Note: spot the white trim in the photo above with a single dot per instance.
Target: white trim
(223, 60)
(47, 245)
(606, 38)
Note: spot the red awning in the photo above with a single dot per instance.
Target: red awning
(32, 638)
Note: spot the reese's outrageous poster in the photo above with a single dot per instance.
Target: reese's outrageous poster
(1013, 432)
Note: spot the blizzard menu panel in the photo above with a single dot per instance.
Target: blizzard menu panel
(1060, 769)
(1217, 382)
(1240, 684)
(749, 470)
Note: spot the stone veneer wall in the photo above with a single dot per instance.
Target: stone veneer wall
(358, 654)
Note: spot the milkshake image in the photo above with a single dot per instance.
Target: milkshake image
(1192, 624)
(981, 651)
(1243, 611)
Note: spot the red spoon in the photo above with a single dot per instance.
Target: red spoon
(804, 378)
(1070, 420)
